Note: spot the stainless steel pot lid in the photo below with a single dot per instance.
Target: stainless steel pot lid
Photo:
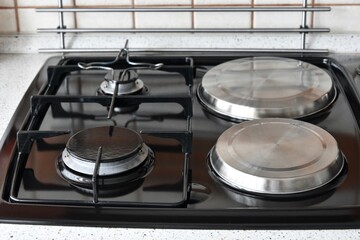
(261, 87)
(276, 156)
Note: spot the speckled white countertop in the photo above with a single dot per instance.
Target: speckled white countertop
(16, 73)
(80, 233)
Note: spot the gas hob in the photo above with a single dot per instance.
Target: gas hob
(173, 185)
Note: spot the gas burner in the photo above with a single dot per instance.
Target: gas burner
(125, 157)
(131, 84)
(265, 87)
(121, 82)
(267, 156)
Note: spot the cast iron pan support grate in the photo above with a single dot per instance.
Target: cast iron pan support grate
(41, 103)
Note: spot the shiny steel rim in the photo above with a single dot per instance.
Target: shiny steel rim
(255, 175)
(224, 100)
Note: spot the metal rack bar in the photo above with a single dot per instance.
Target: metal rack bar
(304, 26)
(218, 9)
(182, 51)
(182, 30)
(38, 101)
(61, 25)
(303, 29)
(94, 178)
(24, 139)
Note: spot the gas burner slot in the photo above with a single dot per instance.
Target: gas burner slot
(105, 161)
(130, 85)
(99, 184)
(121, 82)
(57, 80)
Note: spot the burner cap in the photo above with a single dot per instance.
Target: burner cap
(265, 87)
(276, 156)
(131, 84)
(122, 149)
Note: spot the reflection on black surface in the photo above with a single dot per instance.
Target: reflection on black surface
(31, 183)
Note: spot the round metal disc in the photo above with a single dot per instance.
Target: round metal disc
(117, 143)
(124, 88)
(262, 87)
(122, 150)
(276, 156)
